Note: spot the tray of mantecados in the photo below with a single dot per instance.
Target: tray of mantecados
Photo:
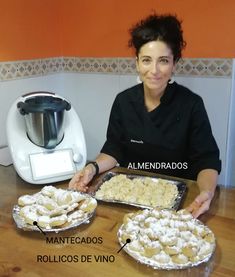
(53, 209)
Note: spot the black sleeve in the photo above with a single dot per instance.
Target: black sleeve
(113, 145)
(204, 152)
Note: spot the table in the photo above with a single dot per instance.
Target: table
(20, 251)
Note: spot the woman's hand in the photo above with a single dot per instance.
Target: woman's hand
(201, 204)
(82, 178)
(207, 181)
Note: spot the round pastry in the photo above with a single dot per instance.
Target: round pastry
(25, 200)
(44, 221)
(131, 227)
(135, 246)
(152, 233)
(139, 217)
(152, 249)
(126, 236)
(56, 194)
(200, 231)
(64, 198)
(191, 225)
(162, 258)
(168, 240)
(179, 259)
(180, 225)
(164, 221)
(144, 240)
(187, 236)
(26, 209)
(48, 191)
(185, 215)
(172, 250)
(205, 249)
(42, 210)
(166, 214)
(58, 220)
(47, 202)
(72, 207)
(190, 251)
(29, 214)
(58, 211)
(156, 213)
(77, 197)
(31, 217)
(76, 215)
(194, 259)
(149, 220)
(175, 216)
(89, 205)
(210, 238)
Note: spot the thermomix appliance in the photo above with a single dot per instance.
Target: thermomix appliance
(45, 138)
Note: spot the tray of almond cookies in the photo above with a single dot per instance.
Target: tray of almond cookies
(53, 210)
(166, 239)
(140, 191)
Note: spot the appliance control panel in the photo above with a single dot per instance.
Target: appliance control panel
(51, 164)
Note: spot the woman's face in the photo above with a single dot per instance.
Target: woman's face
(155, 64)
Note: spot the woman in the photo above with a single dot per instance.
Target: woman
(159, 125)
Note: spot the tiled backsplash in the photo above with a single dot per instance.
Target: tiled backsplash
(38, 67)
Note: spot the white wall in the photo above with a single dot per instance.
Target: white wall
(92, 96)
(216, 93)
(230, 169)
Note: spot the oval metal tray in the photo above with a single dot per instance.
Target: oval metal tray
(21, 224)
(154, 264)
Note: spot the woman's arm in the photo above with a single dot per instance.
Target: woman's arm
(82, 178)
(105, 162)
(207, 182)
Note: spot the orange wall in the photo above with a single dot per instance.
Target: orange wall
(29, 29)
(48, 28)
(100, 28)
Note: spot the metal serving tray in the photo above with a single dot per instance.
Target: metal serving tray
(21, 224)
(169, 266)
(180, 186)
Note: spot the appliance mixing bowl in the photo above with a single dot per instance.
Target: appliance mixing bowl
(44, 119)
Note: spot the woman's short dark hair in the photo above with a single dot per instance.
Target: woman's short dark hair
(166, 28)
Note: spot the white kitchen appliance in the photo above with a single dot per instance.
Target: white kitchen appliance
(45, 138)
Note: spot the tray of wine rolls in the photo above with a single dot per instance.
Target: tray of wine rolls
(166, 239)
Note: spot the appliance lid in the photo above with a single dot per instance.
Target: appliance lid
(43, 104)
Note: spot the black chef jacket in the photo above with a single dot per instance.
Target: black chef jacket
(176, 132)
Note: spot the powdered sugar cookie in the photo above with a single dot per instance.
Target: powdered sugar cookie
(25, 200)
